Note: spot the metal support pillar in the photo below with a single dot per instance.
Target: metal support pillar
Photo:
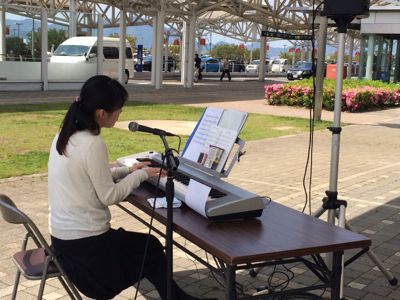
(389, 58)
(184, 57)
(100, 34)
(190, 57)
(294, 55)
(2, 32)
(362, 58)
(159, 46)
(261, 66)
(319, 79)
(166, 54)
(122, 46)
(397, 63)
(253, 38)
(370, 57)
(379, 59)
(44, 70)
(72, 18)
(350, 61)
(154, 51)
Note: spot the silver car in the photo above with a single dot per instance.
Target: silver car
(252, 67)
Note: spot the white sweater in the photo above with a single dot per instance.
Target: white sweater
(81, 187)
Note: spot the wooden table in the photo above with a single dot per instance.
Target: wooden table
(281, 235)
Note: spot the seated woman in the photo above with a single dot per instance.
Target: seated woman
(99, 260)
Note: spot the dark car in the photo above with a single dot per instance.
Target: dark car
(148, 59)
(300, 71)
(237, 66)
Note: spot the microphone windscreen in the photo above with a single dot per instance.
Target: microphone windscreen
(133, 126)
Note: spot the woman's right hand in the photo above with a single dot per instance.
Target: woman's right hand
(154, 172)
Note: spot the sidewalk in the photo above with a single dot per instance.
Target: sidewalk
(369, 179)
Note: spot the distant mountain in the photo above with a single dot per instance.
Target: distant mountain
(143, 34)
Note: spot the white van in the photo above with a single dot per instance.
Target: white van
(83, 49)
(279, 65)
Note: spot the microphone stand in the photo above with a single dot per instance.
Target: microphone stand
(172, 165)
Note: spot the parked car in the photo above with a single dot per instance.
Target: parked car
(253, 66)
(300, 71)
(82, 50)
(210, 64)
(279, 65)
(237, 66)
(147, 61)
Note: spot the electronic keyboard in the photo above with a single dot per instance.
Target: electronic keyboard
(225, 201)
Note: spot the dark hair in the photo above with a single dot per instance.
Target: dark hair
(98, 92)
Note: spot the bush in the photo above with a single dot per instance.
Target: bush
(356, 95)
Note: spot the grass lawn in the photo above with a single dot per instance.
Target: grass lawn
(26, 132)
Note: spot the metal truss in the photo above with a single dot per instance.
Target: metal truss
(242, 20)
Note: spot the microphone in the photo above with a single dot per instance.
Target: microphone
(133, 126)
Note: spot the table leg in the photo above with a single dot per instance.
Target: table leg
(336, 275)
(230, 279)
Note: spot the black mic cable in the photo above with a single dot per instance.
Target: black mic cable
(146, 247)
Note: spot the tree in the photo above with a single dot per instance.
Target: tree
(54, 37)
(174, 51)
(131, 39)
(255, 54)
(285, 55)
(228, 51)
(16, 45)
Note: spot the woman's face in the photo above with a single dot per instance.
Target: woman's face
(107, 119)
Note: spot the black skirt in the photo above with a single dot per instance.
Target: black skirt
(102, 266)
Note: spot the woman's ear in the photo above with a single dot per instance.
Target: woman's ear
(100, 115)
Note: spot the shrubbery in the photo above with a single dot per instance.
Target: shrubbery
(357, 95)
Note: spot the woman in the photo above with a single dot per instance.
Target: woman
(99, 260)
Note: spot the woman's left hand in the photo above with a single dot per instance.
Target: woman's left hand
(139, 166)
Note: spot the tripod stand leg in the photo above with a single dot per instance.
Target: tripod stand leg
(319, 212)
(341, 223)
(389, 276)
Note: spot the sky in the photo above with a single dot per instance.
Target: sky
(215, 37)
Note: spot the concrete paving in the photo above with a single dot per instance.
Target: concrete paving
(369, 179)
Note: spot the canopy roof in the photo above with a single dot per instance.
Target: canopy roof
(239, 19)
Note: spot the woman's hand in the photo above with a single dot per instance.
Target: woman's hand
(155, 172)
(139, 166)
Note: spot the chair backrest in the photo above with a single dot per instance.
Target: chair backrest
(10, 212)
(13, 215)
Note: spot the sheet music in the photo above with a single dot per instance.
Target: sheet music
(196, 197)
(214, 136)
(198, 144)
(209, 145)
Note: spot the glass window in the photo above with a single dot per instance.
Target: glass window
(94, 50)
(111, 52)
(129, 53)
(71, 50)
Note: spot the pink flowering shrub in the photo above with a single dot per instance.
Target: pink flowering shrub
(356, 95)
